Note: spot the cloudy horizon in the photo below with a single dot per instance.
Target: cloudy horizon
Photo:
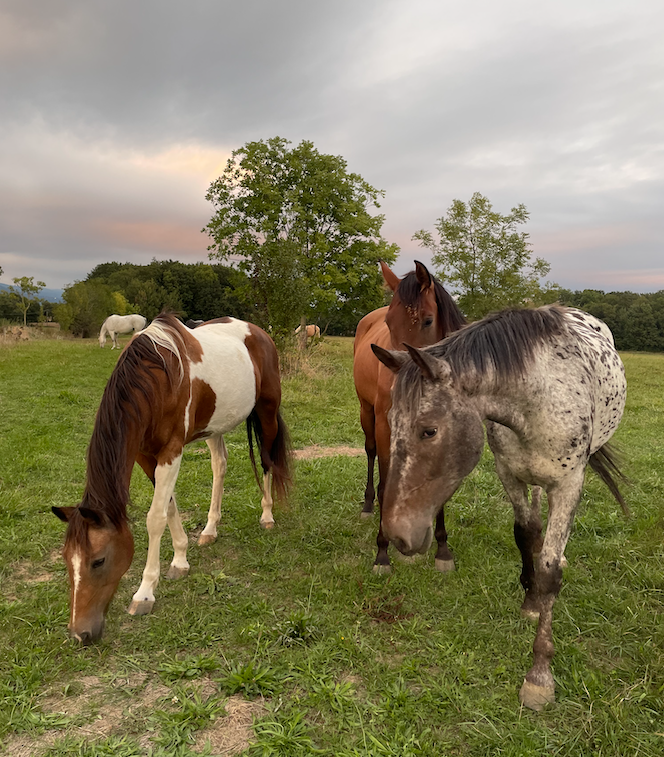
(116, 116)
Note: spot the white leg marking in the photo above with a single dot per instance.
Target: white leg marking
(165, 478)
(219, 463)
(267, 521)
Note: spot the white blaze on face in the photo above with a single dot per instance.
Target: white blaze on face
(76, 562)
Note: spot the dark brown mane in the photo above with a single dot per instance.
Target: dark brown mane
(449, 315)
(131, 387)
(503, 343)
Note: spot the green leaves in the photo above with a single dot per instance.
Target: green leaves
(298, 224)
(485, 258)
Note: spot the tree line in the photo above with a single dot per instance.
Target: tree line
(294, 235)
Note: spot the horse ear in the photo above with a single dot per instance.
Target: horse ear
(64, 513)
(432, 368)
(423, 276)
(393, 359)
(93, 517)
(391, 279)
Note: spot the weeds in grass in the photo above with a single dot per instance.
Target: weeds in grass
(187, 667)
(174, 728)
(298, 628)
(286, 736)
(251, 680)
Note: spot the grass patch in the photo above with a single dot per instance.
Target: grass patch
(284, 642)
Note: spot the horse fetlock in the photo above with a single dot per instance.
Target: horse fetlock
(536, 697)
(140, 607)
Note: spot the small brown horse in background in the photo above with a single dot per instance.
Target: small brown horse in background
(421, 313)
(170, 386)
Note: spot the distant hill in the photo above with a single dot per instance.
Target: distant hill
(52, 295)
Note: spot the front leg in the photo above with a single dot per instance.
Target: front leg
(165, 478)
(538, 687)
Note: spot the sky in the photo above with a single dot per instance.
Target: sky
(116, 115)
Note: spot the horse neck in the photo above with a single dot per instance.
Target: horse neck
(113, 448)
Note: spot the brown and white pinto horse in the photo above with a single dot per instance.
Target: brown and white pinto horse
(421, 313)
(171, 385)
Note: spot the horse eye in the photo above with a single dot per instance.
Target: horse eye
(98, 563)
(428, 322)
(428, 433)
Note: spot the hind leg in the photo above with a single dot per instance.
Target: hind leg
(267, 521)
(219, 463)
(444, 558)
(367, 420)
(179, 567)
(267, 409)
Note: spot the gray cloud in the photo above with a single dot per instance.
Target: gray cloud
(116, 116)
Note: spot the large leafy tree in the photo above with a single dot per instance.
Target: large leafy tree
(486, 258)
(299, 225)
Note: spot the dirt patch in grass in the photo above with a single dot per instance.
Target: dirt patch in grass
(231, 734)
(315, 451)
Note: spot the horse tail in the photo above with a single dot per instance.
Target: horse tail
(605, 464)
(277, 459)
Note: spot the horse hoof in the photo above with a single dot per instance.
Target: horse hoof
(205, 539)
(529, 614)
(535, 697)
(268, 526)
(364, 515)
(382, 570)
(445, 566)
(174, 572)
(143, 607)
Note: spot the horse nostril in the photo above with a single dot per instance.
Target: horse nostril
(85, 637)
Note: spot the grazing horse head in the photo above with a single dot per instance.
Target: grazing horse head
(97, 553)
(436, 443)
(421, 312)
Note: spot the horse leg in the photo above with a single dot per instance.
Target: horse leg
(382, 562)
(179, 567)
(114, 339)
(538, 687)
(267, 409)
(219, 462)
(444, 561)
(527, 533)
(368, 421)
(165, 477)
(537, 499)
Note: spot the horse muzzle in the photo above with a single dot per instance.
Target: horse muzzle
(88, 635)
(415, 542)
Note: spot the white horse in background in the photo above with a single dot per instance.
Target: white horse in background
(312, 330)
(120, 324)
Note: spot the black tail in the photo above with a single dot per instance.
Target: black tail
(277, 459)
(605, 464)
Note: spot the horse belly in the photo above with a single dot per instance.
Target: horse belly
(228, 370)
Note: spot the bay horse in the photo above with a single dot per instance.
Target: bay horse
(120, 324)
(421, 313)
(550, 388)
(171, 386)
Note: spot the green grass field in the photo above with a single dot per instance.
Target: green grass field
(284, 642)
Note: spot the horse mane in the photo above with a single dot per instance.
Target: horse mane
(449, 315)
(131, 388)
(502, 344)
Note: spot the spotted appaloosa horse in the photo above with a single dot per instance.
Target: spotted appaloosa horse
(171, 385)
(550, 387)
(421, 313)
(120, 324)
